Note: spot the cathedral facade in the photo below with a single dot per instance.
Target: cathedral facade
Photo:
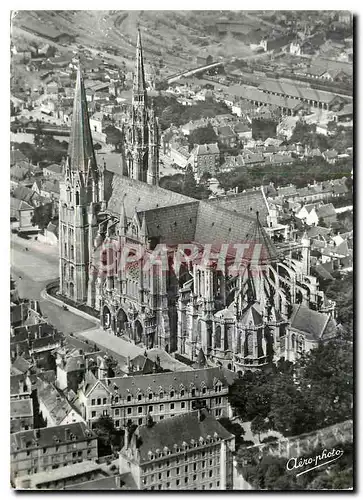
(166, 270)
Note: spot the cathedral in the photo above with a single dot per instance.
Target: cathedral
(196, 301)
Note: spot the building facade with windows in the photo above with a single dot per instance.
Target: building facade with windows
(48, 448)
(162, 395)
(192, 451)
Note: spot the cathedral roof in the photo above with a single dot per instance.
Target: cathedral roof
(141, 195)
(80, 149)
(314, 324)
(256, 235)
(247, 203)
(251, 318)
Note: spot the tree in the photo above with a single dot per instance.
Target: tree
(113, 136)
(42, 215)
(260, 425)
(234, 428)
(203, 135)
(109, 439)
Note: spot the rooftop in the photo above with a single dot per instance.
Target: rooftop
(47, 436)
(173, 432)
(314, 324)
(207, 377)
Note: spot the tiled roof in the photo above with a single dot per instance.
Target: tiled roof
(18, 172)
(49, 435)
(205, 149)
(225, 131)
(18, 384)
(330, 153)
(144, 384)
(39, 479)
(16, 155)
(16, 204)
(326, 211)
(254, 94)
(127, 482)
(55, 402)
(21, 408)
(140, 195)
(347, 110)
(313, 323)
(173, 224)
(315, 231)
(251, 318)
(51, 187)
(295, 91)
(20, 365)
(177, 430)
(55, 168)
(246, 203)
(257, 235)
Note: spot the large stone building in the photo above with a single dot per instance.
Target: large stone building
(132, 399)
(166, 270)
(46, 449)
(191, 451)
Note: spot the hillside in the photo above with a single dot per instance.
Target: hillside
(172, 38)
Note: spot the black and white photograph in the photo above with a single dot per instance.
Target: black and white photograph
(181, 250)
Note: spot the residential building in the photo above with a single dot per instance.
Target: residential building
(191, 451)
(330, 155)
(226, 136)
(204, 59)
(205, 158)
(162, 395)
(23, 213)
(21, 415)
(56, 408)
(47, 448)
(308, 214)
(179, 154)
(68, 477)
(53, 171)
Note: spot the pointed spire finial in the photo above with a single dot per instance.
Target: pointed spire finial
(139, 87)
(80, 150)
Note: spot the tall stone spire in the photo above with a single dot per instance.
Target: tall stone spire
(80, 150)
(139, 87)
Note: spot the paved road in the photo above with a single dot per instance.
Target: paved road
(37, 267)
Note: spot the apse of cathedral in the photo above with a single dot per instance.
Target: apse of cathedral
(141, 256)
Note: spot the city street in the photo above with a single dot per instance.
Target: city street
(37, 267)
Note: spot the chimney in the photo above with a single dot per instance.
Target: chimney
(118, 481)
(67, 434)
(126, 438)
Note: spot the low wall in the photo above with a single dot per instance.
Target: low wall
(302, 445)
(45, 295)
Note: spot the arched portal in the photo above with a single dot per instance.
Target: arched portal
(138, 331)
(71, 290)
(106, 316)
(121, 320)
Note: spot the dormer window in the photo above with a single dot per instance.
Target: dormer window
(129, 398)
(150, 395)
